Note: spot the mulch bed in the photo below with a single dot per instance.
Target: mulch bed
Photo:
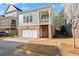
(41, 49)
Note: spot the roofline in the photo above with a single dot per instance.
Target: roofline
(6, 17)
(13, 6)
(36, 9)
(16, 7)
(6, 9)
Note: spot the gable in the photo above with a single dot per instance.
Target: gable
(11, 8)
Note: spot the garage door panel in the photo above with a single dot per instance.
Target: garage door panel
(30, 33)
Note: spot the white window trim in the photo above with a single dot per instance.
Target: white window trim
(29, 19)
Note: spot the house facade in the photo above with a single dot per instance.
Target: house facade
(9, 22)
(36, 23)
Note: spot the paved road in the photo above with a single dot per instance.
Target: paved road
(8, 48)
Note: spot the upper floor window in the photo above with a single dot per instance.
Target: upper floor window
(27, 18)
(44, 15)
(30, 18)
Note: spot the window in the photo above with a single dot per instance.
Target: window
(24, 18)
(27, 18)
(30, 18)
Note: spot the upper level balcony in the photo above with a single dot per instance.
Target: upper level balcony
(44, 21)
(44, 17)
(7, 22)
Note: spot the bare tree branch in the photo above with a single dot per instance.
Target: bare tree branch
(76, 24)
(72, 13)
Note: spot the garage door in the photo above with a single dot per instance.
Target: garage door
(30, 33)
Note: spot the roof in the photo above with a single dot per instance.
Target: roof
(2, 15)
(17, 8)
(36, 9)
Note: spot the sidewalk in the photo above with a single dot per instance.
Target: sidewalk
(24, 40)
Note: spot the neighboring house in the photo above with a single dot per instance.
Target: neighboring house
(12, 11)
(36, 23)
(71, 11)
(9, 22)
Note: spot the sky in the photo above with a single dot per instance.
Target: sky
(57, 7)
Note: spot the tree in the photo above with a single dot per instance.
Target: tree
(71, 13)
(59, 20)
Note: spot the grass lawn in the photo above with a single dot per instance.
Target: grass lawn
(51, 46)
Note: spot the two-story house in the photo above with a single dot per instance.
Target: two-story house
(9, 22)
(36, 23)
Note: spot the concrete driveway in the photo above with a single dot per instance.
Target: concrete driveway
(8, 47)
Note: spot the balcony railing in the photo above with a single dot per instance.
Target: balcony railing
(8, 26)
(44, 21)
(13, 25)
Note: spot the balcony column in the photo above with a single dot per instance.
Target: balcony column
(38, 30)
(49, 26)
(38, 27)
(19, 32)
(49, 16)
(50, 33)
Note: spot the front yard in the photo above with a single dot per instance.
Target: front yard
(52, 46)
